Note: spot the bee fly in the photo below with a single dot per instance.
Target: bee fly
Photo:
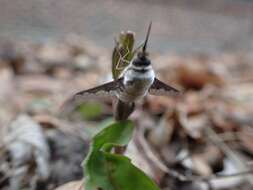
(136, 81)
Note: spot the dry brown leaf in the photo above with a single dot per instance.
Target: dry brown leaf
(201, 166)
(191, 115)
(162, 133)
(213, 156)
(54, 54)
(196, 74)
(6, 83)
(27, 146)
(39, 84)
(74, 185)
(159, 104)
(12, 55)
(246, 137)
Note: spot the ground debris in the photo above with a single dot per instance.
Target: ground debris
(28, 152)
(172, 143)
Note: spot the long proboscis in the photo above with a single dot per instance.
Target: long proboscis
(147, 37)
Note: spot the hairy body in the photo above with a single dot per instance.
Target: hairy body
(136, 83)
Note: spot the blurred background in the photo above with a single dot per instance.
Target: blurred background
(51, 49)
(181, 26)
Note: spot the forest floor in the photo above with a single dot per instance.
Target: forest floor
(199, 140)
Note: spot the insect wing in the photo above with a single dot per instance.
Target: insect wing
(159, 88)
(103, 91)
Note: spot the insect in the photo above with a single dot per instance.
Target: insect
(136, 81)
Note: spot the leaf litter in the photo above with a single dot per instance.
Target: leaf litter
(195, 141)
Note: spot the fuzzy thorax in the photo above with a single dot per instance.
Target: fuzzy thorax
(136, 81)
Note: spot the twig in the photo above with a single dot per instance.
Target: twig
(183, 178)
(216, 140)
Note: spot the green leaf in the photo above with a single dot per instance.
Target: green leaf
(122, 53)
(107, 171)
(95, 170)
(118, 132)
(125, 176)
(92, 128)
(90, 110)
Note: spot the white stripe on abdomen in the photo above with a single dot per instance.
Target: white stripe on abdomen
(136, 84)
